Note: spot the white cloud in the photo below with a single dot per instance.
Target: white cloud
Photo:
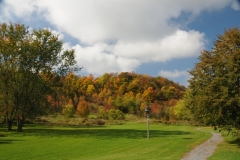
(97, 60)
(178, 45)
(236, 5)
(175, 74)
(95, 21)
(57, 33)
(19, 8)
(143, 30)
(122, 56)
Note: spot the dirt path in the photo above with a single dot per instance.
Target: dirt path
(206, 149)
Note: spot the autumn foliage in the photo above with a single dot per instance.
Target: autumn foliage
(83, 109)
(127, 92)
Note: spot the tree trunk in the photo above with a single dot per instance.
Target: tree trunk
(9, 124)
(19, 124)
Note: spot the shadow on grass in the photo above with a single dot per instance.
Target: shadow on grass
(235, 142)
(7, 141)
(99, 132)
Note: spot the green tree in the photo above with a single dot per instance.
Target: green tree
(119, 103)
(102, 113)
(215, 82)
(181, 109)
(129, 102)
(27, 63)
(70, 88)
(134, 85)
(168, 92)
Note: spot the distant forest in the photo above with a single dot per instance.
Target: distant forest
(128, 92)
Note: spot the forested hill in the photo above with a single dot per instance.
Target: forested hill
(125, 91)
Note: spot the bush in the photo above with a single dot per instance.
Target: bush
(68, 111)
(115, 114)
(99, 122)
(120, 115)
(102, 114)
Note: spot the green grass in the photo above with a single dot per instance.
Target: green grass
(229, 149)
(126, 141)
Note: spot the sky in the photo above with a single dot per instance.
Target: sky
(154, 37)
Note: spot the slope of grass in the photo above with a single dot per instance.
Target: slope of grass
(126, 141)
(229, 149)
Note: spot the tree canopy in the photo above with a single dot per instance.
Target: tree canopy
(128, 92)
(29, 62)
(215, 82)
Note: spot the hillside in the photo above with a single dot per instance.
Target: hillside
(126, 91)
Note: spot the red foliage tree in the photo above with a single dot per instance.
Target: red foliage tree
(155, 109)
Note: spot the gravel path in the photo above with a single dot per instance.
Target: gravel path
(206, 149)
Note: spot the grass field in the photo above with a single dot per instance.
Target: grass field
(126, 141)
(229, 149)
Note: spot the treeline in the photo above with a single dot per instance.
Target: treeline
(127, 92)
(37, 78)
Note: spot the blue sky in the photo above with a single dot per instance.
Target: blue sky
(154, 37)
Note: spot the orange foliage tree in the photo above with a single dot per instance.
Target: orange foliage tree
(83, 109)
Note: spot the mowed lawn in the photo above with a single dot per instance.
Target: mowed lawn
(229, 149)
(128, 141)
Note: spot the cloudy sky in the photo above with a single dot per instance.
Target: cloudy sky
(154, 37)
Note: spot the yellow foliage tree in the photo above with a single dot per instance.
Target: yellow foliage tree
(149, 94)
(142, 108)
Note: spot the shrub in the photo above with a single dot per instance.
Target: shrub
(120, 115)
(115, 114)
(99, 122)
(68, 111)
(102, 114)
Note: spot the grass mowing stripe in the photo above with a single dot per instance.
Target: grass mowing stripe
(127, 141)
